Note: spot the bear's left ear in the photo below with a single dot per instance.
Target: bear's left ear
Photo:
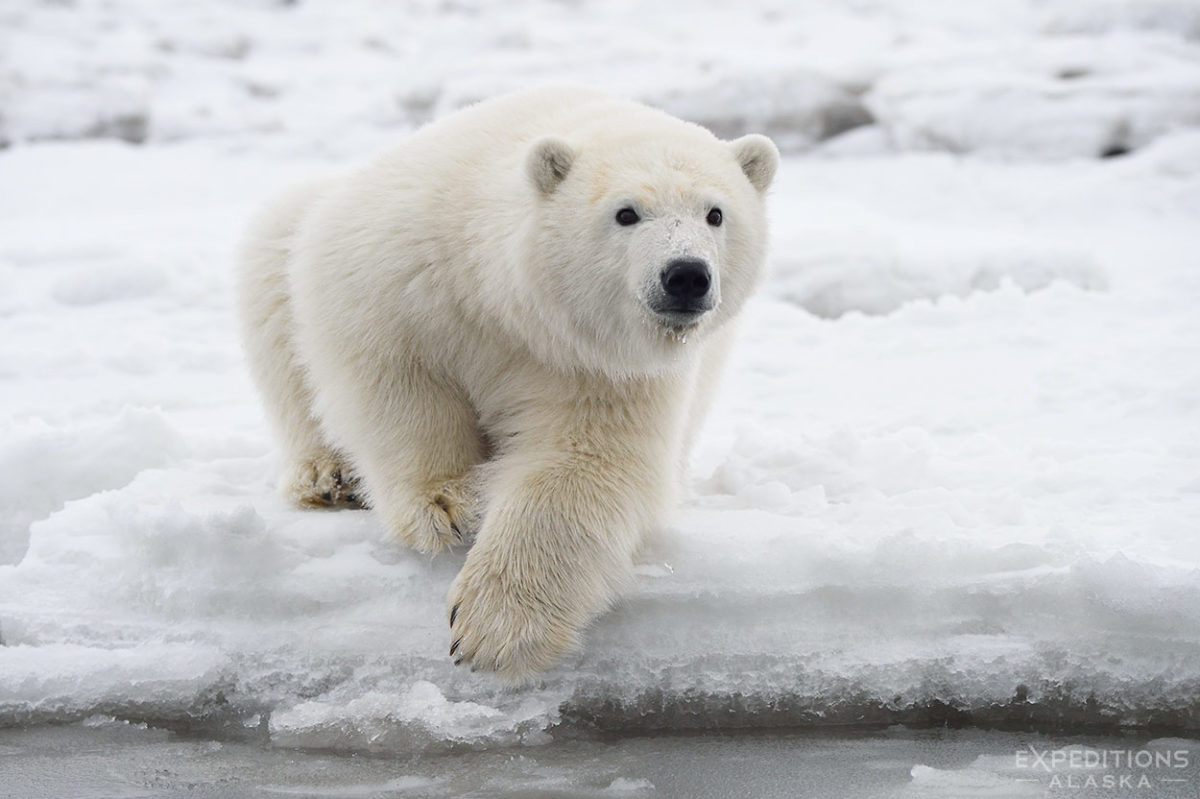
(758, 157)
(548, 163)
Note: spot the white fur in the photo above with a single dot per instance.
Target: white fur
(463, 327)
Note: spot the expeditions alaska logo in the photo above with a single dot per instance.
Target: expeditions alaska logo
(1084, 768)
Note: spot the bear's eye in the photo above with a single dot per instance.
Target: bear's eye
(715, 217)
(627, 217)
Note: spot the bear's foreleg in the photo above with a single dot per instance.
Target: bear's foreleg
(556, 544)
(415, 442)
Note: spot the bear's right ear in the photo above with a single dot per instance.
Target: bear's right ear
(548, 163)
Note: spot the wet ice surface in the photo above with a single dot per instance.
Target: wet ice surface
(954, 475)
(102, 758)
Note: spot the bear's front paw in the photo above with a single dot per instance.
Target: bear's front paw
(506, 621)
(323, 481)
(437, 518)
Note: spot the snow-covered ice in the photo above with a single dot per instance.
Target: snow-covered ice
(954, 474)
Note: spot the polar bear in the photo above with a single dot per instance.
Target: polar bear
(508, 326)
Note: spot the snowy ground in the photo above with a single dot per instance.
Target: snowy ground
(954, 474)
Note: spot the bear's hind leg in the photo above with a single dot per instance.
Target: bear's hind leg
(314, 474)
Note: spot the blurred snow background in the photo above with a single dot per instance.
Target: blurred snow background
(954, 475)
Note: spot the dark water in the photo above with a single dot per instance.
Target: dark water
(118, 760)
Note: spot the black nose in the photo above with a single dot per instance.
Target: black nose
(686, 279)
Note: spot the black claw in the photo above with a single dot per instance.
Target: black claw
(458, 662)
(327, 496)
(454, 646)
(457, 532)
(352, 497)
(453, 614)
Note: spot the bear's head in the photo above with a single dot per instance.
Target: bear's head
(645, 242)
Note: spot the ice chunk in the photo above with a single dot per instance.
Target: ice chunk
(854, 277)
(417, 719)
(796, 109)
(58, 463)
(1045, 100)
